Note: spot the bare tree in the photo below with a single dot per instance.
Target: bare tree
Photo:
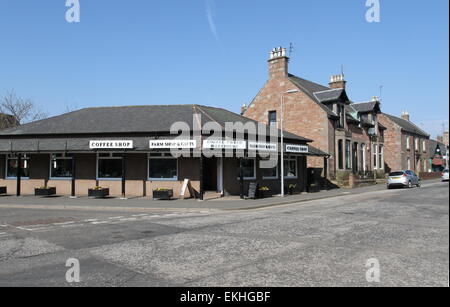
(18, 111)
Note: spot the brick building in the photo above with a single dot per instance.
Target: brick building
(406, 144)
(348, 132)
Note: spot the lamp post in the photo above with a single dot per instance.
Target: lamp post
(282, 137)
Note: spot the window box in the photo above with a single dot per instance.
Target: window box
(162, 194)
(45, 191)
(98, 193)
(3, 190)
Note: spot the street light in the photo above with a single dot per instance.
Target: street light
(282, 138)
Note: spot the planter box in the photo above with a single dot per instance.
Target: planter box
(102, 193)
(45, 192)
(163, 195)
(264, 194)
(3, 190)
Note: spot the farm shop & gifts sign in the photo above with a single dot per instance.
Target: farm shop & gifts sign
(111, 144)
(300, 149)
(173, 144)
(224, 144)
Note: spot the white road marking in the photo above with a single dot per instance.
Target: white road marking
(101, 222)
(116, 218)
(62, 224)
(140, 215)
(91, 220)
(128, 219)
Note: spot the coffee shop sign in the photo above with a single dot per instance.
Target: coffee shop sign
(112, 144)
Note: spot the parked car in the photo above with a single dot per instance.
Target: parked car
(403, 179)
(445, 175)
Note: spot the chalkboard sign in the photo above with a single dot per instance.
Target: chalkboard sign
(252, 190)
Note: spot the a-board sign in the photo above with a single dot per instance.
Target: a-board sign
(252, 190)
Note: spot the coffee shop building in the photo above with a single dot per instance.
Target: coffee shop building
(129, 151)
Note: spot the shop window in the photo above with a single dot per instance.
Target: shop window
(248, 169)
(162, 167)
(273, 119)
(61, 166)
(290, 167)
(11, 166)
(109, 166)
(269, 173)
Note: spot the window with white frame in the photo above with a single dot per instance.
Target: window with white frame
(163, 167)
(375, 156)
(109, 166)
(362, 154)
(12, 165)
(417, 144)
(408, 163)
(424, 146)
(290, 167)
(381, 157)
(408, 142)
(61, 166)
(268, 173)
(248, 168)
(348, 154)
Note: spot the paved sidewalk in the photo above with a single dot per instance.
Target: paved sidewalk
(145, 204)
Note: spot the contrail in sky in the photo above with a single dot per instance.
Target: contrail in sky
(210, 16)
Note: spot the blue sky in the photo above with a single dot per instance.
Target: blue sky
(214, 52)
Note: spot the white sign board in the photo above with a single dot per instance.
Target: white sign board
(224, 144)
(173, 144)
(111, 144)
(300, 149)
(262, 146)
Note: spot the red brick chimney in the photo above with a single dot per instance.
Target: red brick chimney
(278, 64)
(337, 81)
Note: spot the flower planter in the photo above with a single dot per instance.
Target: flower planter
(162, 194)
(3, 190)
(264, 194)
(45, 191)
(98, 193)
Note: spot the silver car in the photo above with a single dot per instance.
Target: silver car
(403, 179)
(445, 175)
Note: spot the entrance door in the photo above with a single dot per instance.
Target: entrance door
(355, 158)
(210, 174)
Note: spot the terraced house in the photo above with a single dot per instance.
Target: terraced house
(407, 145)
(349, 132)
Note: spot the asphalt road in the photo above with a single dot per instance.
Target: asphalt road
(319, 243)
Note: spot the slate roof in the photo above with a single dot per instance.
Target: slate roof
(365, 107)
(407, 125)
(73, 131)
(129, 119)
(318, 93)
(434, 145)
